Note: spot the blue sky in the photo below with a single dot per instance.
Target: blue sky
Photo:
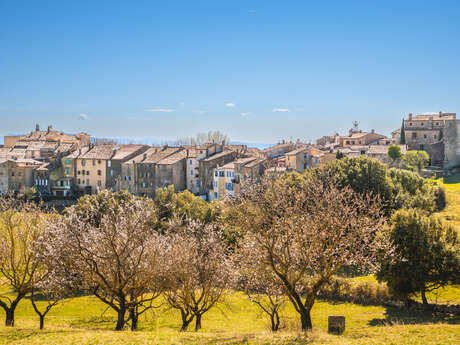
(259, 71)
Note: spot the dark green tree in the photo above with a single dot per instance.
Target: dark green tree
(402, 139)
(339, 155)
(427, 255)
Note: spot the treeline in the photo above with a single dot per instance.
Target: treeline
(281, 241)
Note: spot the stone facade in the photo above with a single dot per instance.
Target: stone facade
(452, 144)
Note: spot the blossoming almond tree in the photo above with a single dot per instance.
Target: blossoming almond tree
(20, 227)
(305, 230)
(114, 250)
(199, 270)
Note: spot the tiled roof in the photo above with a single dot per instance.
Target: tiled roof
(77, 153)
(126, 150)
(174, 158)
(255, 162)
(99, 152)
(159, 155)
(218, 155)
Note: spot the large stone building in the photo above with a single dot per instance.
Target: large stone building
(428, 132)
(50, 136)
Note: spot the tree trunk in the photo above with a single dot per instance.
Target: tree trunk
(121, 319)
(185, 321)
(424, 300)
(275, 321)
(10, 316)
(305, 320)
(134, 319)
(198, 322)
(42, 321)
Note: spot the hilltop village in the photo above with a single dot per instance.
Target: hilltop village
(61, 165)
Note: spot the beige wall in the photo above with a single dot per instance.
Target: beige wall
(93, 179)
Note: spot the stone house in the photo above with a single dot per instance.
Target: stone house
(426, 132)
(206, 170)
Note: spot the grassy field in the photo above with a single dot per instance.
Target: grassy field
(452, 211)
(85, 320)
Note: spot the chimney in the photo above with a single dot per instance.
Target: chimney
(50, 128)
(440, 114)
(37, 128)
(372, 130)
(410, 116)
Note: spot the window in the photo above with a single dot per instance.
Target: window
(111, 172)
(422, 124)
(87, 172)
(99, 183)
(229, 186)
(67, 171)
(78, 172)
(109, 163)
(437, 123)
(410, 123)
(216, 195)
(215, 184)
(12, 173)
(414, 135)
(78, 181)
(98, 161)
(191, 162)
(149, 174)
(221, 173)
(141, 165)
(197, 183)
(424, 136)
(83, 163)
(216, 173)
(67, 161)
(99, 173)
(347, 142)
(150, 166)
(435, 136)
(94, 162)
(191, 172)
(422, 147)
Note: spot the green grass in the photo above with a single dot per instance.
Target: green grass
(452, 212)
(85, 320)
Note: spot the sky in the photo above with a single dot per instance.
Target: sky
(259, 71)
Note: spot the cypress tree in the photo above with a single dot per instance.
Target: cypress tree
(402, 140)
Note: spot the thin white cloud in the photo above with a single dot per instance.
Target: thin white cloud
(159, 110)
(230, 105)
(246, 114)
(83, 116)
(281, 110)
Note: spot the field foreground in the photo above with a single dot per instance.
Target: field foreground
(85, 320)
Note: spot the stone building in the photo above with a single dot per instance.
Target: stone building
(228, 178)
(427, 132)
(171, 170)
(138, 173)
(207, 166)
(50, 136)
(194, 155)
